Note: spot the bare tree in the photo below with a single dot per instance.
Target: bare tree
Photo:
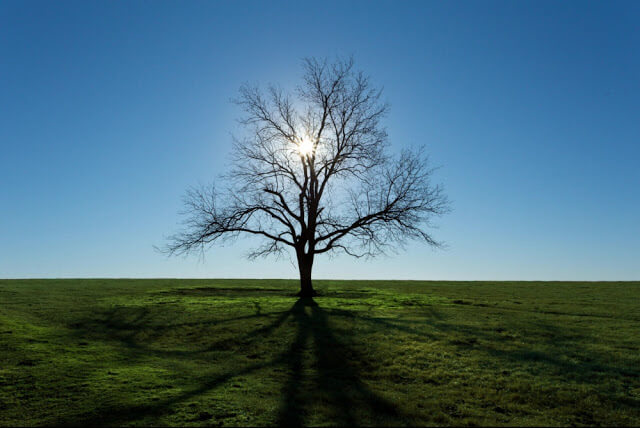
(314, 176)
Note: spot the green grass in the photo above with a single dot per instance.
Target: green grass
(246, 352)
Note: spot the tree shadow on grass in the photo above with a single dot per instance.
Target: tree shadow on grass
(336, 381)
(328, 375)
(557, 344)
(324, 374)
(123, 325)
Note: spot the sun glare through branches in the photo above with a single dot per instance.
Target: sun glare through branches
(305, 146)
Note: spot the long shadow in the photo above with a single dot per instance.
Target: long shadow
(336, 381)
(291, 413)
(324, 371)
(115, 326)
(117, 415)
(558, 352)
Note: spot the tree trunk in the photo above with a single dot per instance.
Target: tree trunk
(305, 264)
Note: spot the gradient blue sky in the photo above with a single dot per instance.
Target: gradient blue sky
(110, 110)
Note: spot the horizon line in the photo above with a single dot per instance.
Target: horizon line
(316, 279)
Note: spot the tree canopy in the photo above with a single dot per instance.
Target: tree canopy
(314, 174)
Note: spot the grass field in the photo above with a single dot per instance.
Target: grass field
(246, 352)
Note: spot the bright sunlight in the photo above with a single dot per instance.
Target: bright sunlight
(305, 146)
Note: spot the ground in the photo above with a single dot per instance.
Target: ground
(247, 352)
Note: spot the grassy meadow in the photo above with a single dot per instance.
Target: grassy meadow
(246, 352)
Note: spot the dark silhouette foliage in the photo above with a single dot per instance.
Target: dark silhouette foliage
(314, 175)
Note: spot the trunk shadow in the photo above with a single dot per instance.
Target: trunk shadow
(322, 369)
(336, 380)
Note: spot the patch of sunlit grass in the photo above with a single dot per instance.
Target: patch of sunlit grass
(239, 352)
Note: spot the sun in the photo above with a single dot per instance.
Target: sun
(305, 146)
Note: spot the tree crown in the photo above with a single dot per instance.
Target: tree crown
(314, 173)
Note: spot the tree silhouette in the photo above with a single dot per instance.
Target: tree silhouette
(314, 175)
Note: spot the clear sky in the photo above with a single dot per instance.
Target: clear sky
(110, 110)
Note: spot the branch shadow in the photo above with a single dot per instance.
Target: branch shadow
(122, 326)
(113, 329)
(335, 381)
(326, 373)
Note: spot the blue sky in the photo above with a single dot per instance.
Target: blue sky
(110, 110)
